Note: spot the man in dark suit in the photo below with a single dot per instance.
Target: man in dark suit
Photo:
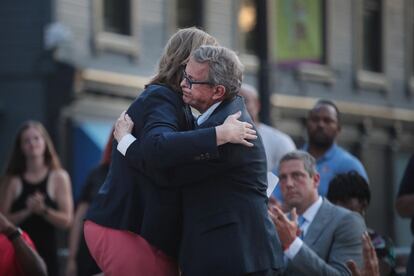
(324, 236)
(226, 229)
(225, 226)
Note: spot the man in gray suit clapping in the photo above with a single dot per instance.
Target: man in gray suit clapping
(318, 237)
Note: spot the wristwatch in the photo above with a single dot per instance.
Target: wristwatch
(15, 234)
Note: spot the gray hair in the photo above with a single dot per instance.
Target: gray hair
(309, 162)
(225, 67)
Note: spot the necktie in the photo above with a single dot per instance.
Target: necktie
(301, 222)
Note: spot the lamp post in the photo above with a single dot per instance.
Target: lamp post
(262, 53)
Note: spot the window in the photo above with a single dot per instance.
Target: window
(247, 26)
(189, 13)
(183, 14)
(117, 16)
(369, 34)
(372, 36)
(115, 26)
(246, 36)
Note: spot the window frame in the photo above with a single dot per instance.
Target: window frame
(321, 73)
(104, 40)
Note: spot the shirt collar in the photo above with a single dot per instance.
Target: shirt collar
(204, 117)
(328, 154)
(310, 213)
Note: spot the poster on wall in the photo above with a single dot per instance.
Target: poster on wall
(297, 32)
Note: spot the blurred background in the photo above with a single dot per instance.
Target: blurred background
(75, 65)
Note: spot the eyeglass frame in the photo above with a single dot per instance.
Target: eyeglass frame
(190, 82)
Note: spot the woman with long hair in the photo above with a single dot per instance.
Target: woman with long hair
(37, 191)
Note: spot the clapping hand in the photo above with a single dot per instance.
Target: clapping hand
(371, 267)
(36, 203)
(286, 228)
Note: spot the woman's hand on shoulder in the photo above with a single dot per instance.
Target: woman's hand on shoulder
(123, 126)
(235, 131)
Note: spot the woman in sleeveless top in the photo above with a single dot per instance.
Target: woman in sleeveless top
(36, 194)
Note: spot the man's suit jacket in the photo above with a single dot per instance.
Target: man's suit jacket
(226, 228)
(129, 199)
(333, 237)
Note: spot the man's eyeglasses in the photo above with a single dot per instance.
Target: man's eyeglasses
(190, 82)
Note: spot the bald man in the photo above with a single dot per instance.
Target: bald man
(276, 142)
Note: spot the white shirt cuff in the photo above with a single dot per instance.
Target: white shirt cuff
(294, 248)
(125, 142)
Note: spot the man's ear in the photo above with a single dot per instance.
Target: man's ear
(339, 128)
(316, 179)
(219, 92)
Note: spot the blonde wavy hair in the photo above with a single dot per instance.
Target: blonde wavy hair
(176, 54)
